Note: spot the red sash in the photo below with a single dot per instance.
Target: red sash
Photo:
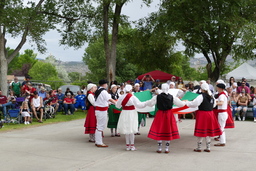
(124, 102)
(101, 108)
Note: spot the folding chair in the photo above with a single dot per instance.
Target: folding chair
(13, 114)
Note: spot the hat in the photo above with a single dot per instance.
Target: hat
(243, 91)
(165, 88)
(43, 89)
(243, 78)
(172, 83)
(157, 80)
(202, 81)
(112, 86)
(128, 88)
(101, 82)
(29, 83)
(90, 86)
(205, 86)
(136, 84)
(221, 86)
(59, 89)
(220, 82)
(68, 94)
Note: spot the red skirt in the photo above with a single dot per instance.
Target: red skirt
(90, 121)
(230, 122)
(164, 126)
(206, 124)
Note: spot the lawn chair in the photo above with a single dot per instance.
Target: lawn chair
(13, 116)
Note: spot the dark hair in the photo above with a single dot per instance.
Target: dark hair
(35, 93)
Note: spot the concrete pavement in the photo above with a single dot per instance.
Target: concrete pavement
(64, 147)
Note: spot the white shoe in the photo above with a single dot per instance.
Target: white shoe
(28, 122)
(254, 119)
(133, 148)
(128, 148)
(25, 123)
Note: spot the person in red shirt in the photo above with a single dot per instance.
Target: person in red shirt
(68, 103)
(54, 103)
(4, 103)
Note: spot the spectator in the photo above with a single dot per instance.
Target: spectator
(16, 87)
(157, 84)
(210, 86)
(243, 87)
(4, 103)
(39, 87)
(68, 103)
(60, 97)
(173, 79)
(254, 108)
(231, 81)
(121, 88)
(233, 103)
(69, 91)
(242, 105)
(136, 88)
(27, 79)
(191, 86)
(83, 90)
(30, 91)
(136, 81)
(54, 102)
(234, 87)
(25, 112)
(42, 93)
(37, 106)
(148, 84)
(252, 94)
(141, 86)
(246, 83)
(80, 101)
(180, 83)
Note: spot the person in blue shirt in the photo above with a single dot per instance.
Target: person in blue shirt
(42, 92)
(60, 97)
(148, 83)
(80, 100)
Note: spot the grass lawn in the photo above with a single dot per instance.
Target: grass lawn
(58, 118)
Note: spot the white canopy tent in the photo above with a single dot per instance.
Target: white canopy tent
(244, 70)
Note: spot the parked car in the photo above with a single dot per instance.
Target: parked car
(73, 88)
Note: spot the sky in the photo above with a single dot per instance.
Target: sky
(135, 10)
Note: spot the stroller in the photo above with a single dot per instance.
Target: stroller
(48, 109)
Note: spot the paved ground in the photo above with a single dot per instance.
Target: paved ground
(64, 147)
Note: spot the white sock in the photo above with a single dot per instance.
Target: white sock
(159, 145)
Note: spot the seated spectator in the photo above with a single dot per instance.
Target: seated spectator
(25, 112)
(54, 102)
(246, 83)
(157, 84)
(233, 103)
(69, 91)
(30, 91)
(68, 103)
(80, 101)
(242, 105)
(37, 106)
(252, 89)
(231, 81)
(243, 87)
(141, 86)
(121, 88)
(136, 81)
(60, 97)
(39, 87)
(180, 84)
(42, 93)
(4, 103)
(254, 108)
(148, 83)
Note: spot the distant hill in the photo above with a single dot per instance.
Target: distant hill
(74, 66)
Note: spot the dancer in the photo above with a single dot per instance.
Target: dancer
(90, 120)
(206, 123)
(222, 104)
(164, 126)
(128, 120)
(101, 111)
(112, 116)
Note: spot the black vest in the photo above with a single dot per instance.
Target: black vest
(164, 101)
(207, 104)
(97, 92)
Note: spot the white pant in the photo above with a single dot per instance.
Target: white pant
(102, 117)
(222, 118)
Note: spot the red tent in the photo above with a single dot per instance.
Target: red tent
(162, 76)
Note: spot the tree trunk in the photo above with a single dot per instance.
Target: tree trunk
(105, 34)
(3, 63)
(112, 61)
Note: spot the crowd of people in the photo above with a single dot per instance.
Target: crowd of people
(34, 101)
(115, 107)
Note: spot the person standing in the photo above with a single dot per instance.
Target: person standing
(222, 104)
(112, 116)
(101, 111)
(128, 120)
(16, 87)
(206, 125)
(90, 120)
(164, 126)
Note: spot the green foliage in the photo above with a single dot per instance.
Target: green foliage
(29, 57)
(74, 76)
(213, 28)
(45, 73)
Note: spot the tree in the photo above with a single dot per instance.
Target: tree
(45, 73)
(27, 21)
(21, 64)
(79, 15)
(95, 59)
(214, 28)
